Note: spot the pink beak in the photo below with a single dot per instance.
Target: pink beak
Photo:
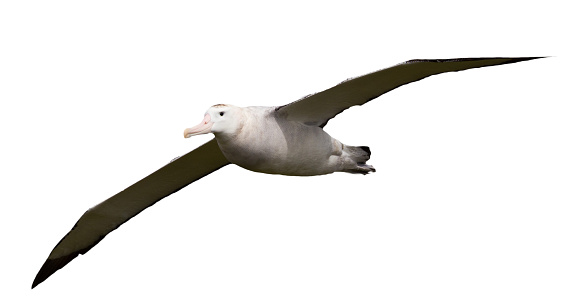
(202, 128)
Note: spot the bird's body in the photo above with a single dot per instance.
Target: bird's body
(265, 141)
(287, 140)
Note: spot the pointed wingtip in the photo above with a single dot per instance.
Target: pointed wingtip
(505, 60)
(51, 266)
(529, 58)
(520, 59)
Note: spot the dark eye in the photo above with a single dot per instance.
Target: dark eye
(221, 113)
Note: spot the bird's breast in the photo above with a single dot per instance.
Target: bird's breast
(279, 148)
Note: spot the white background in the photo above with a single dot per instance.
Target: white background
(475, 193)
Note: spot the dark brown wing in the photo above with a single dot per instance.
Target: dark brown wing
(107, 216)
(319, 108)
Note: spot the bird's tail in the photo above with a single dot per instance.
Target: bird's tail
(359, 155)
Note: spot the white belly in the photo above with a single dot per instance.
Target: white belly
(282, 147)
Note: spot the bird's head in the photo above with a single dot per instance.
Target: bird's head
(219, 119)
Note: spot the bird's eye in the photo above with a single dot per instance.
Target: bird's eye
(221, 113)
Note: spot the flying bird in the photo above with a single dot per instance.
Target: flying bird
(287, 140)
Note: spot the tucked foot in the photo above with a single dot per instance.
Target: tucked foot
(361, 169)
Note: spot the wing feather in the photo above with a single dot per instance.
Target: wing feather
(319, 108)
(107, 216)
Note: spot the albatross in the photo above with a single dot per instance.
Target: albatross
(287, 140)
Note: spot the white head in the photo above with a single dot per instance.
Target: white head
(219, 119)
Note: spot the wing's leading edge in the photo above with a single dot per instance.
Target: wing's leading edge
(319, 108)
(105, 217)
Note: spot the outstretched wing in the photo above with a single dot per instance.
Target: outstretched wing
(319, 108)
(107, 216)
